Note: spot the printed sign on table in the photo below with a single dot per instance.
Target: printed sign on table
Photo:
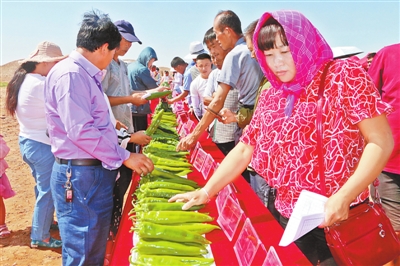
(230, 216)
(223, 194)
(200, 159)
(247, 244)
(207, 165)
(272, 258)
(194, 152)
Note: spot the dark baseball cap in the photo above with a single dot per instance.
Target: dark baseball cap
(126, 30)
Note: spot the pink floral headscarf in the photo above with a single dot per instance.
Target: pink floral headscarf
(309, 50)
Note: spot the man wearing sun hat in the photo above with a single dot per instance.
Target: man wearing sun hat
(85, 144)
(117, 87)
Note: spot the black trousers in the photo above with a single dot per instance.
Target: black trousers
(225, 148)
(139, 123)
(120, 188)
(313, 245)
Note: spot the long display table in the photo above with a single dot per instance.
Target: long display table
(268, 230)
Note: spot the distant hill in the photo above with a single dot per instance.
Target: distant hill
(7, 70)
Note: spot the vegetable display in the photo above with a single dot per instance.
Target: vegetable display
(166, 234)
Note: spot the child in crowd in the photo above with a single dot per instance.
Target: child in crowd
(5, 188)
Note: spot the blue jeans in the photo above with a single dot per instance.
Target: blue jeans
(40, 159)
(264, 192)
(85, 222)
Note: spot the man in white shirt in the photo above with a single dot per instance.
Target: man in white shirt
(198, 85)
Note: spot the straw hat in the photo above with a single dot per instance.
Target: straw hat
(45, 52)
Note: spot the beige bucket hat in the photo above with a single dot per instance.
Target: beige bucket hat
(45, 52)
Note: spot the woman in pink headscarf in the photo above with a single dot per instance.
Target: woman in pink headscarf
(281, 140)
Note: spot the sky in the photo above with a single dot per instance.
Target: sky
(170, 26)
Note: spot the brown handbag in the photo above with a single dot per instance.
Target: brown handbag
(367, 236)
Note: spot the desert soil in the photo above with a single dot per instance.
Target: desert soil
(16, 250)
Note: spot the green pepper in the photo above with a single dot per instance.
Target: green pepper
(164, 206)
(155, 122)
(160, 171)
(199, 228)
(165, 106)
(167, 129)
(168, 185)
(177, 180)
(158, 94)
(166, 140)
(157, 134)
(149, 200)
(172, 155)
(174, 217)
(168, 162)
(173, 260)
(152, 231)
(161, 145)
(161, 247)
(158, 193)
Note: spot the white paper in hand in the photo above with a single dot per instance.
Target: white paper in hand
(307, 215)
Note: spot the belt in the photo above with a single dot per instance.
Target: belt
(247, 106)
(79, 162)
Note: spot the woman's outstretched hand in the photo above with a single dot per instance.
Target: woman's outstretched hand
(193, 198)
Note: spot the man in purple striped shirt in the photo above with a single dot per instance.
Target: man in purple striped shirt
(85, 144)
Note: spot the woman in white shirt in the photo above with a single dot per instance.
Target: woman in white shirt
(25, 100)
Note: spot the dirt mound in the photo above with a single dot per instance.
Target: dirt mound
(7, 70)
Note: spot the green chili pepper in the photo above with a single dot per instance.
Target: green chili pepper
(199, 228)
(166, 140)
(161, 247)
(174, 217)
(158, 193)
(149, 200)
(177, 180)
(155, 122)
(173, 260)
(160, 145)
(169, 130)
(162, 171)
(157, 134)
(164, 206)
(168, 162)
(159, 94)
(173, 155)
(147, 230)
(168, 185)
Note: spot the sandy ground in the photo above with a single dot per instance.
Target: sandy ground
(16, 250)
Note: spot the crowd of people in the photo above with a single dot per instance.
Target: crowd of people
(82, 119)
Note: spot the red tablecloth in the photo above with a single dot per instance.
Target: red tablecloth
(267, 228)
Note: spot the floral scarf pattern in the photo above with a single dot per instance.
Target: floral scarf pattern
(309, 50)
